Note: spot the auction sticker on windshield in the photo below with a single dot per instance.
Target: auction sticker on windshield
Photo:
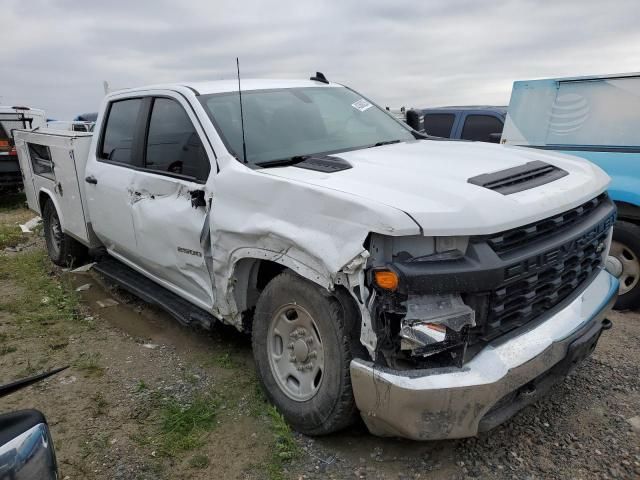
(361, 105)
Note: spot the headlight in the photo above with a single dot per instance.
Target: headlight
(434, 323)
(415, 248)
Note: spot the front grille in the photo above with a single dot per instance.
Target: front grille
(546, 281)
(507, 241)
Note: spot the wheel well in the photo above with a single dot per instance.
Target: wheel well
(628, 212)
(251, 276)
(42, 199)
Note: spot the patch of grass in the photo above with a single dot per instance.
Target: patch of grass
(58, 345)
(141, 386)
(225, 361)
(90, 364)
(97, 444)
(99, 404)
(32, 368)
(184, 427)
(39, 300)
(5, 349)
(285, 448)
(199, 461)
(10, 236)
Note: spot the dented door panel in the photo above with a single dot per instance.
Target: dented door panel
(169, 229)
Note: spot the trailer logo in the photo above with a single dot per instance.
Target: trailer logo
(188, 251)
(568, 114)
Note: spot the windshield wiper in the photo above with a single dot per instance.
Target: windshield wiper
(388, 142)
(283, 162)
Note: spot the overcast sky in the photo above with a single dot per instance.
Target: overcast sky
(55, 54)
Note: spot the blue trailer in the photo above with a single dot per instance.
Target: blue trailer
(596, 118)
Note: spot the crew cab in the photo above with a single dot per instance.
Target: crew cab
(475, 122)
(435, 287)
(12, 118)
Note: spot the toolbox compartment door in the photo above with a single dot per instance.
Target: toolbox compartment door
(53, 162)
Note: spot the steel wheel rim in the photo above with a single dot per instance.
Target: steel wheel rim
(296, 353)
(630, 266)
(56, 234)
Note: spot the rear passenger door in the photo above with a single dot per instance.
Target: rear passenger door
(108, 179)
(170, 203)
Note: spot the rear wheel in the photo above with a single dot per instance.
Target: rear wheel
(63, 250)
(304, 338)
(626, 248)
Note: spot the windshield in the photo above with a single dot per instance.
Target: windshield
(284, 123)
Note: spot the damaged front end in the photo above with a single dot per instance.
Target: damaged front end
(469, 330)
(417, 329)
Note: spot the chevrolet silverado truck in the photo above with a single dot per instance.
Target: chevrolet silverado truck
(433, 287)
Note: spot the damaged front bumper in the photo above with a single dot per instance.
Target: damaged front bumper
(509, 373)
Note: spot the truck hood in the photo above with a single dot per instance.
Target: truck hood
(428, 180)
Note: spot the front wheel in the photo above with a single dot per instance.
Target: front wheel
(626, 248)
(304, 338)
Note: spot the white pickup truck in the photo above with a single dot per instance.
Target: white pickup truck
(435, 287)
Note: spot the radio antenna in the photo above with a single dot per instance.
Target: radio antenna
(244, 145)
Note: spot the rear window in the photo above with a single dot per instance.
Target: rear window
(119, 131)
(480, 127)
(439, 124)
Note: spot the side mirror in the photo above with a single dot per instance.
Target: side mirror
(495, 137)
(26, 448)
(415, 120)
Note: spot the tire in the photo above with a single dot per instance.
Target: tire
(62, 249)
(626, 248)
(317, 405)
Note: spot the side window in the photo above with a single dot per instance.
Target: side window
(439, 124)
(117, 141)
(41, 160)
(480, 127)
(173, 145)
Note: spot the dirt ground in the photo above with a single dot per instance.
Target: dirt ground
(144, 398)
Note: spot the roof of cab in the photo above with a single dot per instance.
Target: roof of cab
(498, 108)
(222, 86)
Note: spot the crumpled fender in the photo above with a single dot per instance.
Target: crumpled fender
(313, 230)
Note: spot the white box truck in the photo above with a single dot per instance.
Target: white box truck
(435, 287)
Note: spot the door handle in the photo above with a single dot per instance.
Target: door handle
(91, 179)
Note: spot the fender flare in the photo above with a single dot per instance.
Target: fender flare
(230, 310)
(56, 203)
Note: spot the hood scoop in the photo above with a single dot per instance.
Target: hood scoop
(324, 163)
(517, 179)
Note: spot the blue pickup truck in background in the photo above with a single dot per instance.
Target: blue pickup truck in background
(481, 123)
(596, 118)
